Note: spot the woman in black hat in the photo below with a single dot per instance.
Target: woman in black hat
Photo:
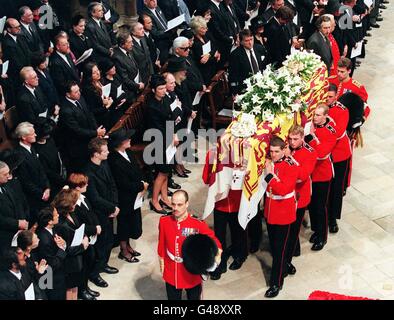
(122, 97)
(130, 183)
(159, 115)
(49, 155)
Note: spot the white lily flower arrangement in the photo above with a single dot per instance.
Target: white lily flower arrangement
(303, 63)
(270, 93)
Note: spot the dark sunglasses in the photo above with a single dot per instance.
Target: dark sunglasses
(185, 49)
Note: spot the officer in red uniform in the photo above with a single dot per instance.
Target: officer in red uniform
(323, 138)
(173, 230)
(345, 83)
(279, 209)
(341, 155)
(305, 156)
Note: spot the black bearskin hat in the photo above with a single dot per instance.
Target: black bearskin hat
(198, 252)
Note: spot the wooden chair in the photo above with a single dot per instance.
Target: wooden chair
(218, 95)
(134, 119)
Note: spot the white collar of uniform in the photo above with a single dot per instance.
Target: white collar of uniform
(147, 33)
(30, 89)
(25, 146)
(49, 230)
(97, 21)
(72, 101)
(124, 51)
(13, 37)
(137, 40)
(26, 26)
(16, 274)
(215, 3)
(80, 200)
(124, 155)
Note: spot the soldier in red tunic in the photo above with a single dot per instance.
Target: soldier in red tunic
(323, 138)
(279, 209)
(173, 231)
(345, 83)
(341, 155)
(305, 156)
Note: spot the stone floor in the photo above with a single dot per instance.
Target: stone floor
(358, 261)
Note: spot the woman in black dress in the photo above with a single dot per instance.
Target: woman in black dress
(131, 185)
(122, 97)
(92, 91)
(79, 42)
(159, 115)
(207, 63)
(65, 203)
(49, 155)
(86, 215)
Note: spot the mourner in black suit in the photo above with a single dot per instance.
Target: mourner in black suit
(126, 66)
(49, 155)
(16, 51)
(52, 248)
(162, 38)
(141, 52)
(11, 282)
(77, 126)
(29, 30)
(65, 202)
(31, 102)
(154, 52)
(98, 33)
(45, 83)
(14, 209)
(246, 60)
(85, 214)
(221, 30)
(319, 42)
(61, 65)
(130, 183)
(30, 172)
(278, 37)
(103, 195)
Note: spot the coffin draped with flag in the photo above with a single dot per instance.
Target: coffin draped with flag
(272, 103)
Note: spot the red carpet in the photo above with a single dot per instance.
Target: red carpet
(323, 295)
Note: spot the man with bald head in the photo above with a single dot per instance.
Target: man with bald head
(16, 51)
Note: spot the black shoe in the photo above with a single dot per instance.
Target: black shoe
(379, 19)
(382, 6)
(162, 203)
(99, 282)
(236, 264)
(187, 171)
(215, 275)
(181, 174)
(85, 295)
(317, 246)
(368, 34)
(313, 238)
(152, 207)
(173, 185)
(291, 269)
(130, 259)
(135, 253)
(110, 270)
(374, 25)
(170, 193)
(333, 228)
(272, 292)
(92, 292)
(385, 1)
